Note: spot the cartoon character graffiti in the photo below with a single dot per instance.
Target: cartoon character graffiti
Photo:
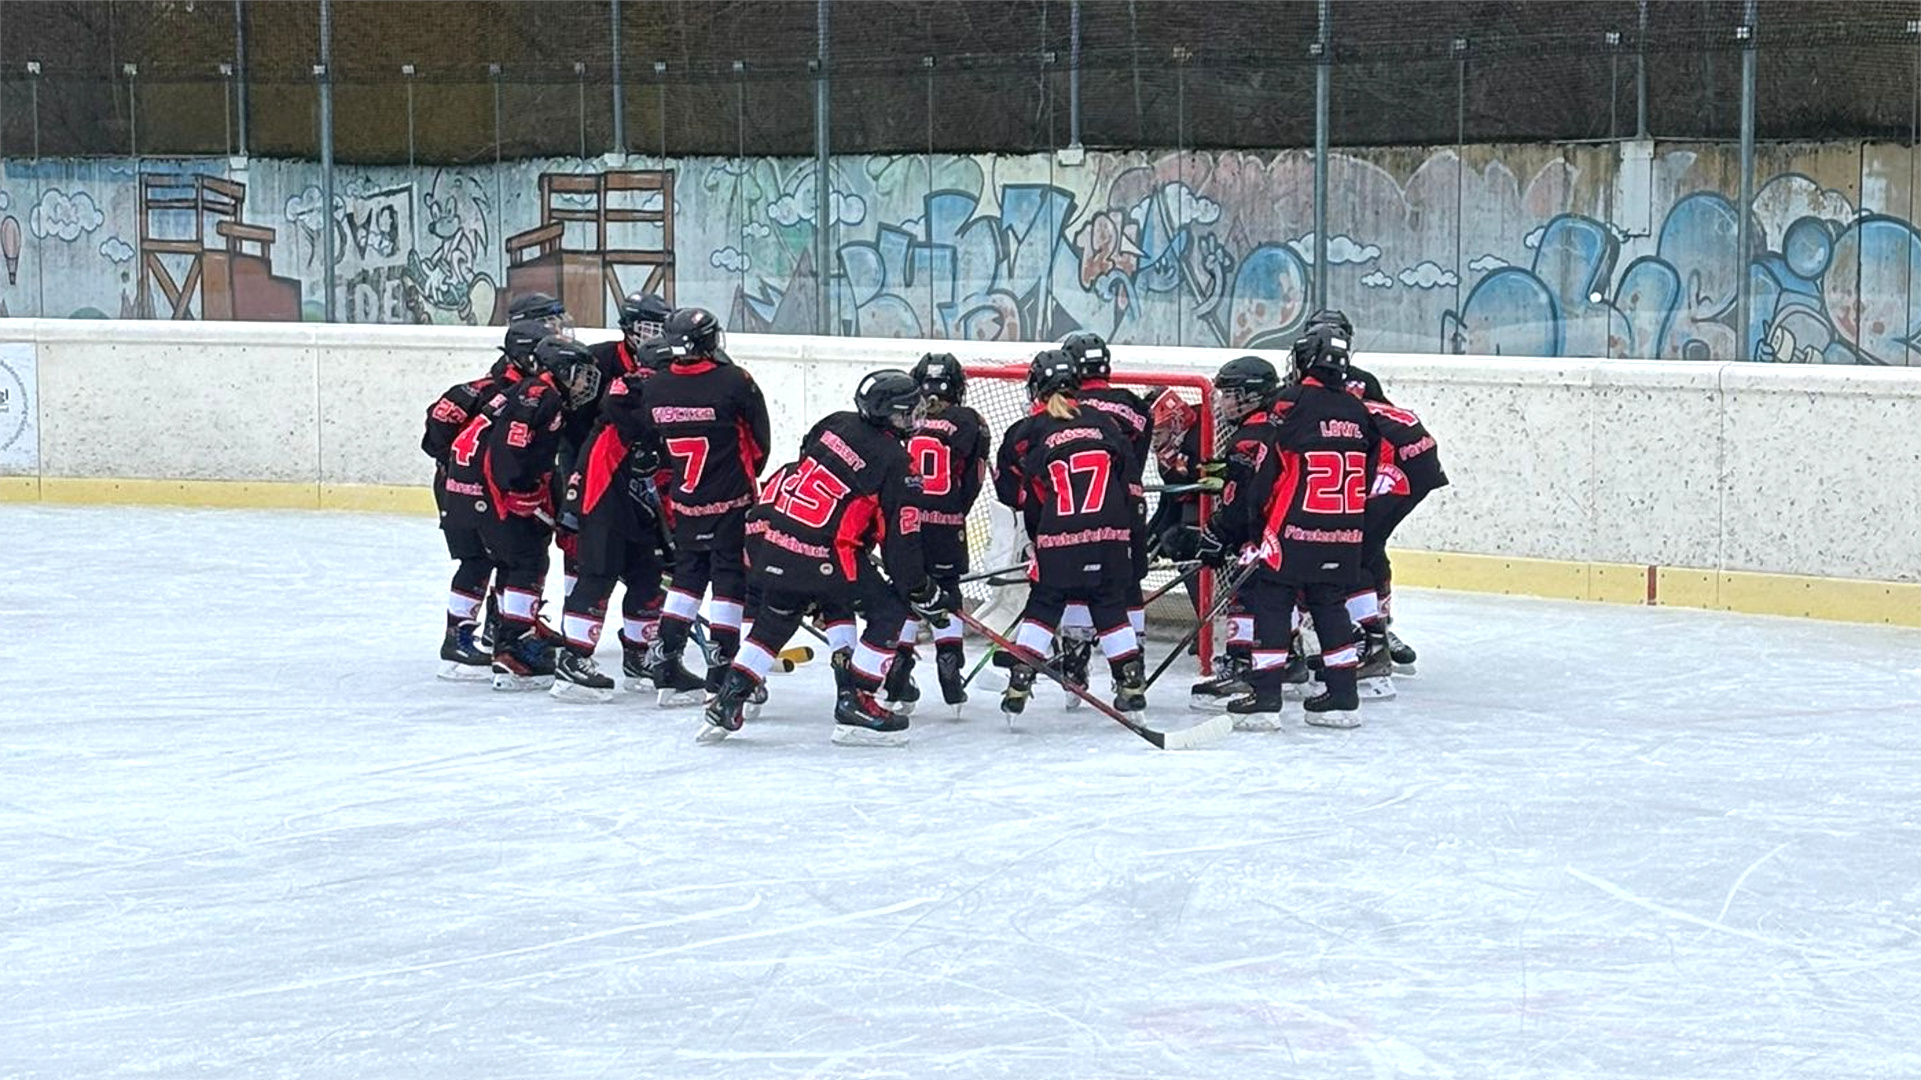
(446, 285)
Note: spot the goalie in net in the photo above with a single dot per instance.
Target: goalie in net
(1168, 446)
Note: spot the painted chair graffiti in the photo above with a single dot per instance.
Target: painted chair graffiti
(595, 229)
(232, 279)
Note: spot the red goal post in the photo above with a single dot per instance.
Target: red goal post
(995, 536)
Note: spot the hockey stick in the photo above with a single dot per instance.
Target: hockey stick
(1184, 739)
(990, 575)
(1185, 570)
(1227, 590)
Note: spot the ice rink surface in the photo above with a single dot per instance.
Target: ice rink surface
(245, 833)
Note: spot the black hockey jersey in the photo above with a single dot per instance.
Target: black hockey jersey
(1298, 477)
(1070, 481)
(713, 422)
(465, 501)
(852, 486)
(1408, 461)
(620, 463)
(520, 442)
(1129, 412)
(950, 454)
(456, 405)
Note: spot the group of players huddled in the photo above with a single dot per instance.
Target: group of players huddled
(642, 459)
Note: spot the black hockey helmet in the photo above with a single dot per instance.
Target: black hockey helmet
(522, 336)
(889, 398)
(1369, 385)
(643, 315)
(692, 331)
(1244, 384)
(940, 376)
(1334, 318)
(654, 354)
(1054, 371)
(1322, 352)
(1089, 351)
(534, 305)
(571, 365)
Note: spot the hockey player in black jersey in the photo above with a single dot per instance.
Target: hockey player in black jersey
(1065, 470)
(506, 454)
(713, 422)
(618, 530)
(1408, 469)
(852, 487)
(949, 449)
(1134, 417)
(462, 657)
(1299, 469)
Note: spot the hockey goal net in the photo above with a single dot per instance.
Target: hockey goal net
(997, 540)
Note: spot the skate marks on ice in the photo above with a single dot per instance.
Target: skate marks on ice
(254, 831)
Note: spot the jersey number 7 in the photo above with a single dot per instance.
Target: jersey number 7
(692, 455)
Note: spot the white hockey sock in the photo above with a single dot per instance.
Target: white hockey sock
(1035, 637)
(755, 660)
(1120, 643)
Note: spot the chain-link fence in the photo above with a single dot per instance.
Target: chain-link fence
(1541, 176)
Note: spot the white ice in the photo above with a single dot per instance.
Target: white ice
(245, 833)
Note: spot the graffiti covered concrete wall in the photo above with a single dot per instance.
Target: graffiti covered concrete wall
(1618, 250)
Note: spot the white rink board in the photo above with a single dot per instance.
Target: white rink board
(1741, 467)
(1586, 841)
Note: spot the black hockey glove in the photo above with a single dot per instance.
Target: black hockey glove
(1181, 543)
(1210, 549)
(932, 602)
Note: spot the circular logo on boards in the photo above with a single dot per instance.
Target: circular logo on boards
(13, 406)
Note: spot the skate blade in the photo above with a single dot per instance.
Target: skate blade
(1258, 722)
(1379, 688)
(1206, 703)
(521, 684)
(458, 672)
(750, 712)
(638, 684)
(956, 707)
(708, 734)
(1338, 718)
(576, 694)
(1404, 669)
(902, 708)
(852, 735)
(680, 699)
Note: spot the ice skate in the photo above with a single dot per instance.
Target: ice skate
(637, 660)
(948, 662)
(724, 714)
(1374, 679)
(461, 657)
(1256, 711)
(899, 690)
(751, 710)
(1229, 681)
(1339, 706)
(523, 662)
(1076, 651)
(675, 686)
(860, 720)
(1401, 652)
(1130, 688)
(577, 678)
(1020, 687)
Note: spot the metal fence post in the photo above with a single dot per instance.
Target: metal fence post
(1743, 286)
(1323, 88)
(324, 71)
(823, 203)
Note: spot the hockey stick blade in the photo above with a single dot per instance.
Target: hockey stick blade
(1185, 739)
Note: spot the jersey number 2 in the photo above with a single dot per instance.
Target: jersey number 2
(934, 462)
(1336, 482)
(468, 441)
(1096, 465)
(692, 453)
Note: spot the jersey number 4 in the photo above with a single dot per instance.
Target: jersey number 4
(692, 453)
(934, 462)
(1096, 465)
(468, 441)
(810, 494)
(1336, 482)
